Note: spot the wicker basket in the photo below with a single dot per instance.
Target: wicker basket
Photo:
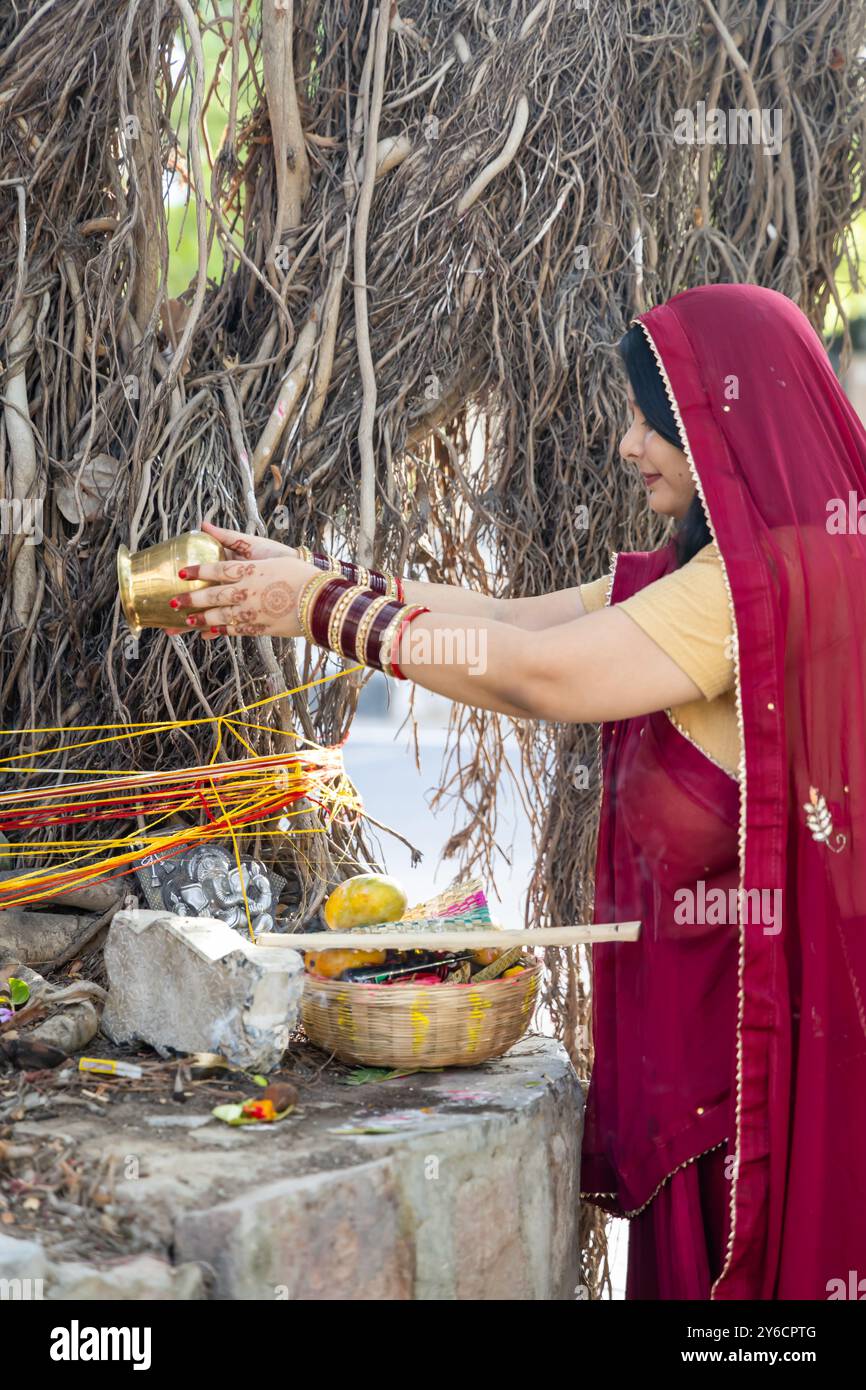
(419, 1025)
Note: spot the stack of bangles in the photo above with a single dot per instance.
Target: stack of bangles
(354, 621)
(379, 582)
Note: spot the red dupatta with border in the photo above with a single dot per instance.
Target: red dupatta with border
(778, 455)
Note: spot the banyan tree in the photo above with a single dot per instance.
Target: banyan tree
(420, 229)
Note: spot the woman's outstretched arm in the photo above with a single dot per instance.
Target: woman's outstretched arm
(544, 610)
(540, 611)
(600, 666)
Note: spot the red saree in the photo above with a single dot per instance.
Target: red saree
(725, 1111)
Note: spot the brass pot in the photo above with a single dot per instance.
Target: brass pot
(148, 579)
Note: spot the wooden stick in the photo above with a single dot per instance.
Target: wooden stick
(475, 938)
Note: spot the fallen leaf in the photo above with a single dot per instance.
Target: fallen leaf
(361, 1076)
(96, 480)
(205, 1064)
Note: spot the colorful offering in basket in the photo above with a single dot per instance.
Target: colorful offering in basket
(366, 903)
(333, 965)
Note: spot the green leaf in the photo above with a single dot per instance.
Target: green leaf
(362, 1076)
(259, 1080)
(20, 991)
(411, 1071)
(230, 1113)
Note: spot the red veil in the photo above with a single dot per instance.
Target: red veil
(779, 459)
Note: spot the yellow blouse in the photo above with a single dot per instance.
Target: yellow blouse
(687, 614)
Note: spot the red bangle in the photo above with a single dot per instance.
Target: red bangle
(398, 637)
(323, 606)
(378, 579)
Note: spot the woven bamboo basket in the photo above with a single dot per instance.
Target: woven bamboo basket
(445, 1025)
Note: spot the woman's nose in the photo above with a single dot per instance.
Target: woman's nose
(628, 448)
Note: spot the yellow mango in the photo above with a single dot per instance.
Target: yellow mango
(333, 963)
(365, 900)
(486, 956)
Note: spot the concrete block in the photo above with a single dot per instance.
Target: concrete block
(328, 1236)
(192, 984)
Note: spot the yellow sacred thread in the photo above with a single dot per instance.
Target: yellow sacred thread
(163, 725)
(259, 785)
(241, 877)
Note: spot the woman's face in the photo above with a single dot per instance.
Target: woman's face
(663, 467)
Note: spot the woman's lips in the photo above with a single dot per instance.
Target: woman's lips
(650, 478)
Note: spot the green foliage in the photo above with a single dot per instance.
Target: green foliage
(182, 234)
(362, 1076)
(19, 990)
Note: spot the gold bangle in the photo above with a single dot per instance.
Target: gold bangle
(308, 595)
(387, 638)
(341, 608)
(365, 626)
(306, 598)
(303, 602)
(305, 554)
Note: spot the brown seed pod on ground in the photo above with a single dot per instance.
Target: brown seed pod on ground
(282, 1094)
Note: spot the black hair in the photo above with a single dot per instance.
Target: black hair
(693, 532)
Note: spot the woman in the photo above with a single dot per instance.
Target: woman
(728, 670)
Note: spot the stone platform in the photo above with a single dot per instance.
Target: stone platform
(468, 1191)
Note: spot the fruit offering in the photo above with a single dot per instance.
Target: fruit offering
(363, 903)
(365, 900)
(333, 963)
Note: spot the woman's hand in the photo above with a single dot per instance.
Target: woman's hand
(244, 547)
(245, 598)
